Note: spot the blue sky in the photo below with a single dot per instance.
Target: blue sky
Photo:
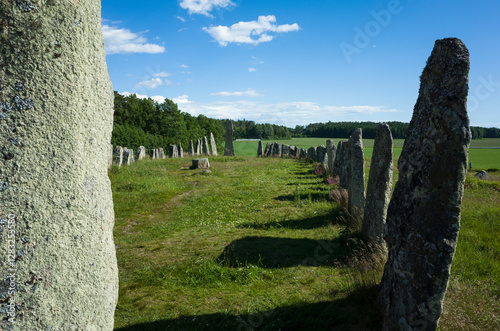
(297, 62)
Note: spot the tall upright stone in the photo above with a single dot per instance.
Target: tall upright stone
(56, 119)
(213, 145)
(153, 154)
(341, 164)
(378, 191)
(229, 148)
(259, 149)
(110, 155)
(331, 151)
(191, 148)
(128, 156)
(161, 153)
(173, 153)
(198, 147)
(206, 148)
(267, 151)
(180, 150)
(423, 218)
(118, 156)
(141, 153)
(356, 173)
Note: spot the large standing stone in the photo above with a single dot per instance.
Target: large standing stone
(285, 150)
(277, 149)
(55, 134)
(320, 156)
(128, 156)
(198, 147)
(191, 148)
(312, 153)
(118, 156)
(110, 156)
(173, 152)
(180, 150)
(161, 153)
(331, 151)
(341, 164)
(153, 154)
(259, 149)
(229, 148)
(356, 172)
(267, 151)
(141, 153)
(213, 145)
(378, 191)
(206, 149)
(423, 218)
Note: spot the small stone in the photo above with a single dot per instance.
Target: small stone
(482, 175)
(200, 164)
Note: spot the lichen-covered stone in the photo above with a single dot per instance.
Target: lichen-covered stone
(153, 154)
(191, 150)
(141, 153)
(482, 175)
(356, 174)
(378, 191)
(229, 148)
(118, 156)
(341, 164)
(206, 149)
(320, 153)
(161, 153)
(110, 155)
(311, 153)
(213, 145)
(277, 149)
(331, 151)
(423, 218)
(173, 152)
(180, 150)
(285, 150)
(200, 164)
(267, 151)
(128, 156)
(57, 101)
(259, 149)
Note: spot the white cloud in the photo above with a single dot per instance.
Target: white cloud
(247, 93)
(285, 113)
(204, 7)
(157, 98)
(181, 18)
(182, 100)
(162, 74)
(252, 69)
(253, 32)
(152, 83)
(120, 41)
(184, 66)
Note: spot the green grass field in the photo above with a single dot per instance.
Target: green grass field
(256, 244)
(481, 159)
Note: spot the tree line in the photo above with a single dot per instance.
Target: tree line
(145, 122)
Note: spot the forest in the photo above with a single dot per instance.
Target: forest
(145, 122)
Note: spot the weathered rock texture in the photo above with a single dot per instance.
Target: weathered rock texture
(118, 156)
(128, 156)
(206, 149)
(213, 145)
(229, 148)
(191, 151)
(424, 213)
(330, 150)
(259, 149)
(173, 152)
(153, 154)
(482, 175)
(180, 150)
(200, 164)
(110, 155)
(267, 151)
(58, 99)
(141, 153)
(161, 153)
(378, 191)
(341, 164)
(356, 173)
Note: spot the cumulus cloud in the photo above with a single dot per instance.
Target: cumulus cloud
(121, 41)
(247, 93)
(182, 100)
(162, 74)
(253, 32)
(152, 83)
(181, 18)
(157, 98)
(252, 69)
(184, 66)
(204, 7)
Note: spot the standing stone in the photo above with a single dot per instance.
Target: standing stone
(311, 154)
(110, 155)
(259, 149)
(198, 147)
(267, 151)
(206, 149)
(180, 151)
(118, 156)
(141, 153)
(191, 148)
(320, 156)
(356, 173)
(423, 218)
(213, 145)
(482, 175)
(200, 164)
(229, 148)
(303, 154)
(277, 149)
(285, 150)
(153, 154)
(55, 126)
(161, 153)
(341, 165)
(378, 191)
(331, 151)
(173, 152)
(128, 156)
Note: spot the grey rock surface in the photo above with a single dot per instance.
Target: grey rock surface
(331, 151)
(482, 175)
(229, 148)
(260, 151)
(423, 218)
(118, 156)
(141, 153)
(161, 153)
(191, 150)
(378, 191)
(173, 152)
(180, 150)
(213, 145)
(341, 164)
(200, 164)
(205, 148)
(356, 174)
(54, 77)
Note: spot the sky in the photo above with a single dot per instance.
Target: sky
(295, 62)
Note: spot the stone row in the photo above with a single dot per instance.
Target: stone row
(277, 150)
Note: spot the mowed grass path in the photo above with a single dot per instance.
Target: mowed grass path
(256, 245)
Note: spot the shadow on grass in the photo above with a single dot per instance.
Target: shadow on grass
(358, 311)
(301, 224)
(319, 196)
(271, 252)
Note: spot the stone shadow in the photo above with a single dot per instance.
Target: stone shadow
(298, 224)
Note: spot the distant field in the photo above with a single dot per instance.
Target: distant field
(480, 158)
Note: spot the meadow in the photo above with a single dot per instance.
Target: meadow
(257, 244)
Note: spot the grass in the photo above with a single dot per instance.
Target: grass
(255, 244)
